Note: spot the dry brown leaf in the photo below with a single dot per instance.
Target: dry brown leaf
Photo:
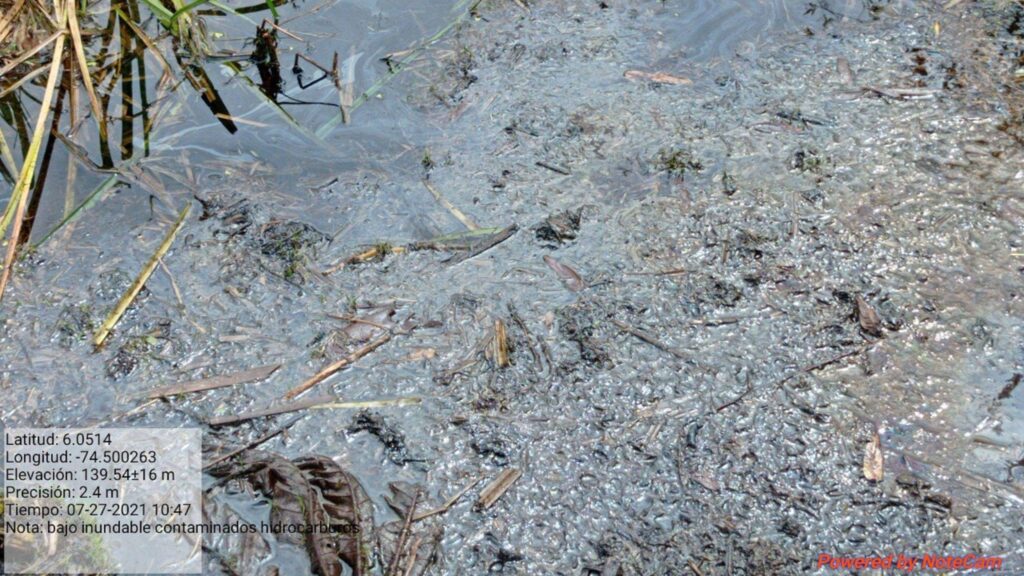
(572, 280)
(314, 491)
(657, 77)
(870, 321)
(873, 462)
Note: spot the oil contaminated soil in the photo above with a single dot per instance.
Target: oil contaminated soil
(749, 237)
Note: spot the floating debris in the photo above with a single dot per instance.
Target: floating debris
(650, 339)
(465, 245)
(870, 321)
(657, 77)
(314, 491)
(243, 377)
(572, 280)
(554, 168)
(393, 440)
(334, 367)
(873, 463)
(140, 281)
(497, 488)
(559, 228)
(317, 403)
(499, 346)
(1007, 390)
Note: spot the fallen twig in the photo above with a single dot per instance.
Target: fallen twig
(334, 367)
(656, 77)
(788, 377)
(403, 535)
(497, 488)
(254, 443)
(245, 376)
(467, 244)
(140, 281)
(459, 215)
(650, 339)
(319, 402)
(553, 168)
(413, 550)
(448, 503)
(901, 93)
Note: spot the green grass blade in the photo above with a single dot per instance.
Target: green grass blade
(165, 16)
(89, 201)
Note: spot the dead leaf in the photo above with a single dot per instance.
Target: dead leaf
(870, 321)
(422, 544)
(314, 491)
(873, 463)
(572, 280)
(657, 77)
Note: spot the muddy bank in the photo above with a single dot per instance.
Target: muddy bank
(805, 232)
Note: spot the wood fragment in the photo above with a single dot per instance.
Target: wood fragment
(370, 254)
(334, 367)
(466, 244)
(657, 77)
(873, 463)
(499, 345)
(223, 381)
(497, 488)
(126, 300)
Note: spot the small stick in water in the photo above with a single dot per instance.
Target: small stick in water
(140, 281)
(497, 488)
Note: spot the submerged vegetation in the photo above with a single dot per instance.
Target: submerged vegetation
(100, 77)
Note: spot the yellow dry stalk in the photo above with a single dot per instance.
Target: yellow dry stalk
(19, 197)
(129, 296)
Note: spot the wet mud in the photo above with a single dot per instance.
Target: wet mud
(793, 227)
